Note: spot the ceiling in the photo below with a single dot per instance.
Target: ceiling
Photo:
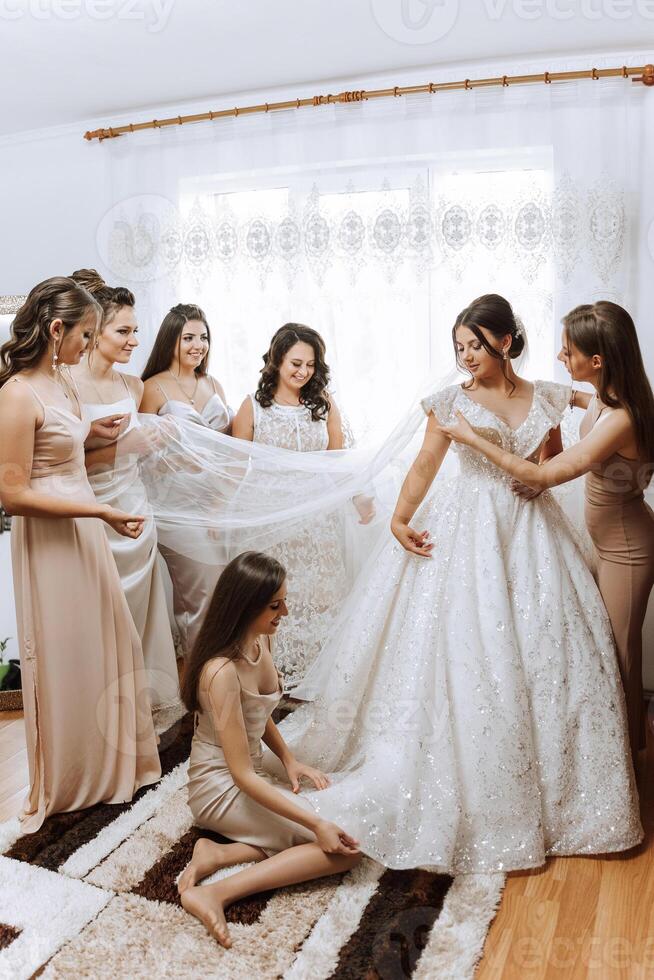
(64, 61)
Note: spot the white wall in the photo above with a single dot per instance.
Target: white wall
(53, 193)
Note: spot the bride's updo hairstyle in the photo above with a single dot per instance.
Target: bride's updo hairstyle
(606, 329)
(242, 592)
(495, 314)
(58, 298)
(169, 339)
(314, 393)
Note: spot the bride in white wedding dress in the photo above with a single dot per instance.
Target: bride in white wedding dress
(469, 705)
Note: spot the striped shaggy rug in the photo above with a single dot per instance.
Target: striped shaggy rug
(93, 894)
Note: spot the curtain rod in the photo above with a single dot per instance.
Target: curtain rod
(644, 74)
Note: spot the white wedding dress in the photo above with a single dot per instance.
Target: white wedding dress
(469, 705)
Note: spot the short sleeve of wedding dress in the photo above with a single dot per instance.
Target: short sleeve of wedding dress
(555, 399)
(440, 403)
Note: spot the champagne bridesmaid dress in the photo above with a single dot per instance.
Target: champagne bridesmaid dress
(88, 722)
(214, 799)
(621, 526)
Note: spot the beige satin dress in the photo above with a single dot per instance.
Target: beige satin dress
(621, 526)
(88, 721)
(215, 801)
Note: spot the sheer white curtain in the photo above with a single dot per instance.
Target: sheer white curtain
(376, 223)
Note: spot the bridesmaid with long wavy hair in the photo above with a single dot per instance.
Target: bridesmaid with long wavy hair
(88, 724)
(616, 454)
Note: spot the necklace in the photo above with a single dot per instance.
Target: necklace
(58, 381)
(249, 660)
(191, 398)
(287, 404)
(95, 387)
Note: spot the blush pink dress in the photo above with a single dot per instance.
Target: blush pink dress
(88, 721)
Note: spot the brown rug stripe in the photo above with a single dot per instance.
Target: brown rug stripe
(394, 927)
(8, 934)
(63, 833)
(160, 882)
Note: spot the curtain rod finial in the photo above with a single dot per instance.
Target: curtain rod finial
(647, 78)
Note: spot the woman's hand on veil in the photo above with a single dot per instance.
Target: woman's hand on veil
(461, 431)
(417, 542)
(296, 770)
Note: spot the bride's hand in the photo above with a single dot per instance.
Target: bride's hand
(296, 770)
(527, 493)
(333, 839)
(461, 431)
(417, 542)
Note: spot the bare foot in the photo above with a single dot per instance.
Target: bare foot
(207, 906)
(207, 857)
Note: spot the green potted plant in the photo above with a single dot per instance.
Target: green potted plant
(11, 697)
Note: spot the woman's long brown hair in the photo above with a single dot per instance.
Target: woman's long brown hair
(58, 298)
(314, 393)
(242, 592)
(606, 329)
(168, 340)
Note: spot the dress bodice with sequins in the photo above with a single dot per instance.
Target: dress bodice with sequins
(288, 427)
(545, 413)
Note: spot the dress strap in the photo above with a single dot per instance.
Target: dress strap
(124, 380)
(162, 390)
(22, 381)
(213, 384)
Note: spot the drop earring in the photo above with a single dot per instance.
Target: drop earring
(505, 355)
(55, 357)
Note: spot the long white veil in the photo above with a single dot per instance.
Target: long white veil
(213, 496)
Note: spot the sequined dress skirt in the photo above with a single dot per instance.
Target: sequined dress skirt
(469, 706)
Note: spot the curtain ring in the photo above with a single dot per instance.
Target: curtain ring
(505, 82)
(594, 74)
(547, 79)
(467, 84)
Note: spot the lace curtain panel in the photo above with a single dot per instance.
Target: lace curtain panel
(376, 223)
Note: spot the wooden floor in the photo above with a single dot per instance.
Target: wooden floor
(577, 918)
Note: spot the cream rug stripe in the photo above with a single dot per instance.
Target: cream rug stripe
(456, 941)
(140, 939)
(318, 957)
(48, 909)
(125, 867)
(89, 855)
(9, 833)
